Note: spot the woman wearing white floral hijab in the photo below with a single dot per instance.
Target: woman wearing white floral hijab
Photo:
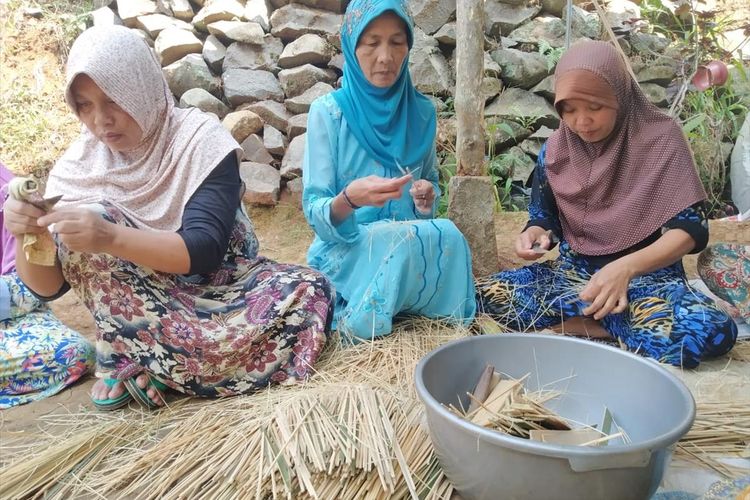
(152, 237)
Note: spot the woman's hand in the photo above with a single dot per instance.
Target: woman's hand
(423, 194)
(80, 229)
(526, 241)
(21, 217)
(607, 290)
(374, 191)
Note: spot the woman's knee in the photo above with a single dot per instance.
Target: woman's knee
(322, 287)
(720, 338)
(706, 339)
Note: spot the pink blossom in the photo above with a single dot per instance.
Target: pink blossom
(121, 300)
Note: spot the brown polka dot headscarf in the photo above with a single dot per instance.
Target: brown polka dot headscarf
(615, 193)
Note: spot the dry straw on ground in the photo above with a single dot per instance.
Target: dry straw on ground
(720, 430)
(355, 431)
(741, 351)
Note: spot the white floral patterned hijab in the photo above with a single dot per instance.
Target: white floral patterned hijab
(180, 147)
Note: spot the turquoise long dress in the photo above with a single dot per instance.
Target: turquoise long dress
(383, 261)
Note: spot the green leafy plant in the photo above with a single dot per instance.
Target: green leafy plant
(697, 32)
(447, 166)
(711, 121)
(550, 53)
(501, 168)
(505, 198)
(492, 128)
(449, 110)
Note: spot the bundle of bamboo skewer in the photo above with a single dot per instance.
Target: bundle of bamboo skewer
(354, 431)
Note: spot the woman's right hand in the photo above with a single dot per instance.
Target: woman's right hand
(375, 191)
(21, 217)
(526, 240)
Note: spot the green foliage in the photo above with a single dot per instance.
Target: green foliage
(550, 53)
(501, 168)
(697, 33)
(447, 166)
(71, 24)
(492, 128)
(502, 165)
(528, 122)
(449, 110)
(711, 121)
(505, 200)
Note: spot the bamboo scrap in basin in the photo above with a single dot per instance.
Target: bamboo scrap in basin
(483, 388)
(510, 409)
(497, 400)
(572, 437)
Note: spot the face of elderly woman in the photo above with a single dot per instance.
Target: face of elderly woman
(103, 117)
(382, 48)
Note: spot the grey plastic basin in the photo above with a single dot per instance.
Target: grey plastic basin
(649, 403)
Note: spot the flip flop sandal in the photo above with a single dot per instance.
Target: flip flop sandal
(141, 395)
(112, 404)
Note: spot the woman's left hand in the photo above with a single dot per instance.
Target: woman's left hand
(607, 290)
(423, 194)
(80, 229)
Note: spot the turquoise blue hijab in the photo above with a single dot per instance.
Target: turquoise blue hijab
(392, 124)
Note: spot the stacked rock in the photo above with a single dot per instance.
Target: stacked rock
(258, 64)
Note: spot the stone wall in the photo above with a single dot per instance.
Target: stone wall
(257, 65)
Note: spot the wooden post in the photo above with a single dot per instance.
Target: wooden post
(471, 201)
(469, 103)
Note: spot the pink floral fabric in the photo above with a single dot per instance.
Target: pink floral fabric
(250, 323)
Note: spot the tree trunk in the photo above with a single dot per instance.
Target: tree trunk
(469, 102)
(471, 200)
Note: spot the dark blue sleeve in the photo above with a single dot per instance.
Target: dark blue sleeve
(694, 221)
(209, 216)
(542, 207)
(62, 291)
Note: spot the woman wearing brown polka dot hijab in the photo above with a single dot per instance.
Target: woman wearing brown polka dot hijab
(617, 186)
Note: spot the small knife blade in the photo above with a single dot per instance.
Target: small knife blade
(46, 204)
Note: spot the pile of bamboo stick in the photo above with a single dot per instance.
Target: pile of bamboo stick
(354, 431)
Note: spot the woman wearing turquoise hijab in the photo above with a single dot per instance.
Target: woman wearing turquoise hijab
(371, 186)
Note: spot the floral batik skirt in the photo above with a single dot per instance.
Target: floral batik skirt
(725, 268)
(250, 323)
(666, 319)
(39, 356)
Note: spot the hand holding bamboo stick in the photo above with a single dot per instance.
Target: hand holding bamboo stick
(39, 249)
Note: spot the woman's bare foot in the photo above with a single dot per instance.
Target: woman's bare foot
(102, 391)
(142, 381)
(580, 326)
